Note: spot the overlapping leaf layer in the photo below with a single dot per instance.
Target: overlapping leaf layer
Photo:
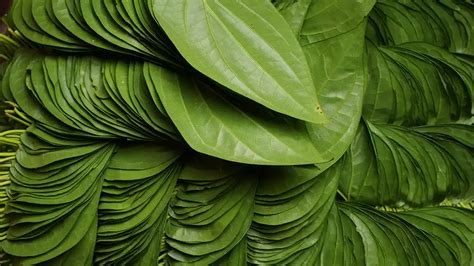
(235, 132)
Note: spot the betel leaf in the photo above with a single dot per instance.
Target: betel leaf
(212, 123)
(325, 19)
(338, 70)
(94, 97)
(62, 216)
(247, 47)
(446, 24)
(133, 203)
(286, 222)
(210, 218)
(363, 235)
(106, 173)
(340, 79)
(310, 228)
(416, 84)
(391, 165)
(294, 12)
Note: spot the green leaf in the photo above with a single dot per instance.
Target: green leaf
(55, 194)
(88, 96)
(230, 128)
(290, 218)
(339, 74)
(388, 238)
(325, 19)
(446, 24)
(417, 84)
(349, 233)
(210, 218)
(245, 46)
(237, 256)
(80, 254)
(133, 203)
(70, 26)
(399, 166)
(104, 175)
(294, 12)
(338, 70)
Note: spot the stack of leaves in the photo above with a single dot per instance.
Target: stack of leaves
(10, 134)
(229, 132)
(133, 203)
(211, 212)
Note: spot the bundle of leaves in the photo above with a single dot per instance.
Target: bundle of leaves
(235, 132)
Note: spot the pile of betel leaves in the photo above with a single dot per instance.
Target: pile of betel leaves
(235, 132)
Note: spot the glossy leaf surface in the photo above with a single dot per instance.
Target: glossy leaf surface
(247, 47)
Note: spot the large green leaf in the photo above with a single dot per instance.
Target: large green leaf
(340, 79)
(338, 70)
(247, 47)
(98, 177)
(339, 74)
(231, 128)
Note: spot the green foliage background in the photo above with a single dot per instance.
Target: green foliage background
(235, 132)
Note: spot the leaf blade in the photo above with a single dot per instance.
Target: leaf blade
(262, 59)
